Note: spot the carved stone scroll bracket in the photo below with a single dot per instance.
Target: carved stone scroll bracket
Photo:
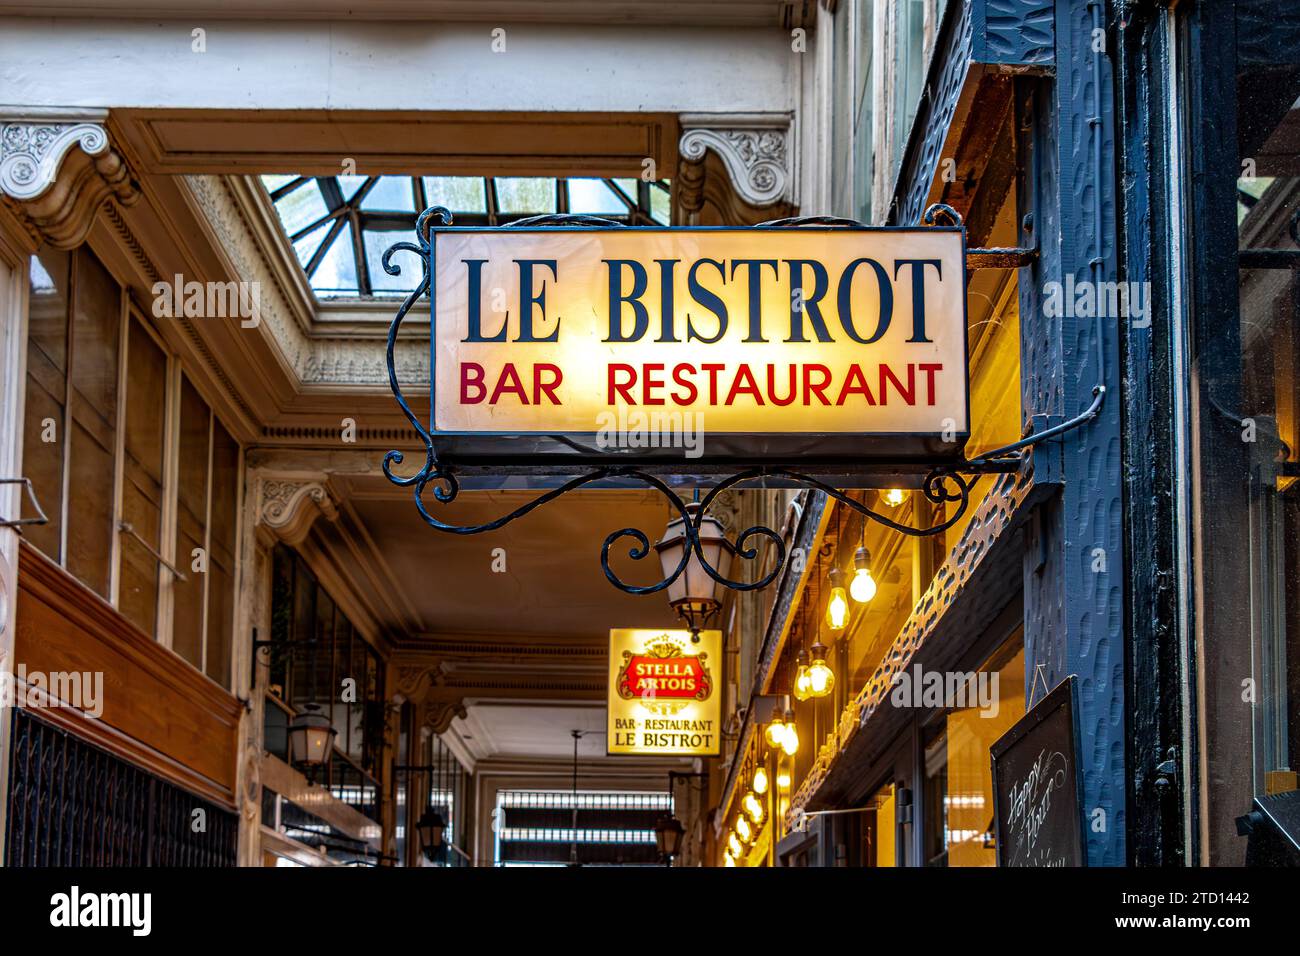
(288, 506)
(56, 187)
(757, 150)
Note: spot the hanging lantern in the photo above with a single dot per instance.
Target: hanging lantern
(311, 738)
(694, 595)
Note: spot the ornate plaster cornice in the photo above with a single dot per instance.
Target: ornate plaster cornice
(288, 505)
(757, 150)
(58, 188)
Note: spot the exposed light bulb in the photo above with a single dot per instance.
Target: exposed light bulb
(733, 844)
(775, 732)
(728, 859)
(821, 678)
(802, 682)
(790, 741)
(837, 607)
(783, 781)
(895, 497)
(743, 828)
(760, 781)
(754, 807)
(863, 586)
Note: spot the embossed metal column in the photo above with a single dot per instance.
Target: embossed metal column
(1074, 564)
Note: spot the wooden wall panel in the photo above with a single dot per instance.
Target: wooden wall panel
(158, 711)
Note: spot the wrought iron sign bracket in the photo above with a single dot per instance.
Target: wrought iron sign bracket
(31, 496)
(946, 484)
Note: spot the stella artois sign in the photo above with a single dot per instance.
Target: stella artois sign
(764, 344)
(663, 693)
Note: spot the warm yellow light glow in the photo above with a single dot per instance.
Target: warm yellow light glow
(727, 859)
(733, 844)
(821, 677)
(863, 587)
(743, 828)
(783, 781)
(895, 497)
(790, 739)
(775, 732)
(754, 807)
(760, 781)
(802, 682)
(837, 610)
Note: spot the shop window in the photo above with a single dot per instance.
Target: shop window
(879, 828)
(853, 109)
(332, 667)
(1245, 414)
(957, 827)
(142, 478)
(71, 410)
(108, 510)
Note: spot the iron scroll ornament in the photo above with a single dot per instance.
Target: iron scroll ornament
(948, 484)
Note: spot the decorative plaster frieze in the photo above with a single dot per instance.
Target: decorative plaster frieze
(757, 151)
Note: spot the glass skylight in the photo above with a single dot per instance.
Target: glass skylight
(339, 226)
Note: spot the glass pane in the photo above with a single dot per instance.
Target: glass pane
(47, 370)
(92, 434)
(391, 194)
(272, 183)
(348, 185)
(305, 248)
(191, 522)
(661, 204)
(909, 66)
(1246, 423)
(525, 195)
(864, 115)
(377, 243)
(142, 478)
(281, 615)
(457, 193)
(304, 629)
(337, 273)
(301, 207)
(222, 542)
(593, 197)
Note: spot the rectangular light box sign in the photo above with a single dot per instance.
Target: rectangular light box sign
(663, 694)
(776, 344)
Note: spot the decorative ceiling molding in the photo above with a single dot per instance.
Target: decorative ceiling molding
(56, 187)
(758, 151)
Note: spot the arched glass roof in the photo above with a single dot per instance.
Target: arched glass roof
(340, 225)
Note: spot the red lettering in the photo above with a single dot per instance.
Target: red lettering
(509, 384)
(739, 386)
(907, 394)
(624, 389)
(685, 383)
(471, 377)
(855, 383)
(818, 389)
(771, 386)
(929, 370)
(713, 369)
(541, 387)
(648, 383)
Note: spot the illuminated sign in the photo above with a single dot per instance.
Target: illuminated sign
(663, 692)
(767, 342)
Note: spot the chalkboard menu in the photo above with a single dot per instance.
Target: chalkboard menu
(1038, 819)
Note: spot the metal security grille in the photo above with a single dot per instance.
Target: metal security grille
(73, 804)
